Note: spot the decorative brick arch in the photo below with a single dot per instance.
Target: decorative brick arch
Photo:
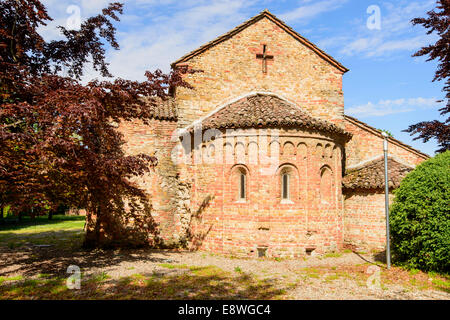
(289, 149)
(240, 152)
(228, 153)
(272, 149)
(337, 151)
(302, 150)
(211, 153)
(326, 185)
(319, 150)
(253, 152)
(328, 151)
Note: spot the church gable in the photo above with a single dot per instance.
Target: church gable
(278, 22)
(367, 143)
(262, 55)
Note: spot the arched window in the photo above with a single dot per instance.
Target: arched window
(242, 186)
(239, 180)
(285, 186)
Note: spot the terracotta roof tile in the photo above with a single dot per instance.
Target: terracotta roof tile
(265, 110)
(371, 175)
(163, 109)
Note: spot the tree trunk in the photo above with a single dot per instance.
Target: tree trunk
(95, 230)
(1, 215)
(50, 215)
(89, 238)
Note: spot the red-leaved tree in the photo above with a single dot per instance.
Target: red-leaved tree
(59, 142)
(439, 22)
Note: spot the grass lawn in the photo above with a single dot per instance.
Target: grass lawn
(60, 231)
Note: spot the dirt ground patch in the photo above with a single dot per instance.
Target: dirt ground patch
(40, 272)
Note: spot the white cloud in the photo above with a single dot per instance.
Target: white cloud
(424, 102)
(91, 7)
(360, 45)
(396, 34)
(168, 37)
(411, 44)
(386, 107)
(154, 33)
(330, 42)
(311, 10)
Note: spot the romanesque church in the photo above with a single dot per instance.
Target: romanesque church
(259, 157)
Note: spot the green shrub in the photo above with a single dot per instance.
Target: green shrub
(420, 217)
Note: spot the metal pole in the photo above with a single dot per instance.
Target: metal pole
(386, 191)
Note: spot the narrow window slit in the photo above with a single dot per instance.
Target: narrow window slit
(285, 186)
(242, 188)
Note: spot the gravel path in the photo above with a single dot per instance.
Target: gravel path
(343, 277)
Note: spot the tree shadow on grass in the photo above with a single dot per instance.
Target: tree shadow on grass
(380, 256)
(51, 252)
(199, 283)
(215, 285)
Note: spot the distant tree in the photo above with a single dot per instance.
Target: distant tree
(438, 22)
(387, 132)
(58, 141)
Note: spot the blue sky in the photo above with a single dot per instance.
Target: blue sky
(385, 86)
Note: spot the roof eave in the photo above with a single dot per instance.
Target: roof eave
(390, 139)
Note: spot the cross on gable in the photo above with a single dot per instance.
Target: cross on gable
(264, 56)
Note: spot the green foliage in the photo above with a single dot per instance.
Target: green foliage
(100, 277)
(333, 255)
(42, 224)
(388, 132)
(420, 217)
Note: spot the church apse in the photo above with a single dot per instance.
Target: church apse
(261, 55)
(274, 179)
(272, 199)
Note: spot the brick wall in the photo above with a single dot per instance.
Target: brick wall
(364, 218)
(162, 184)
